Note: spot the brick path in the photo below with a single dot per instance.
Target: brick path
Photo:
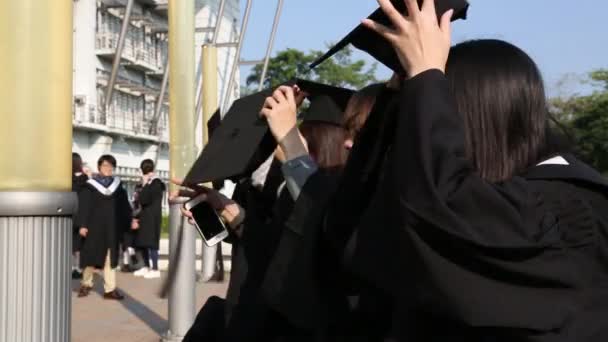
(142, 316)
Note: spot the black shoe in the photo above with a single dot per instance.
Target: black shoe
(76, 274)
(113, 295)
(127, 269)
(83, 291)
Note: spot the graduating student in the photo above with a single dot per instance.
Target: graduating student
(267, 207)
(103, 216)
(508, 239)
(486, 234)
(79, 179)
(148, 219)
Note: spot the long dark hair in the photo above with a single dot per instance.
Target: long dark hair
(325, 143)
(358, 108)
(499, 92)
(76, 163)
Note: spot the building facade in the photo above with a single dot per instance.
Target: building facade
(127, 127)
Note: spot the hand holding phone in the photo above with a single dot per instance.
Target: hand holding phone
(206, 220)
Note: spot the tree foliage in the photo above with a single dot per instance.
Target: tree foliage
(587, 118)
(340, 70)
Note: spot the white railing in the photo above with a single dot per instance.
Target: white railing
(141, 44)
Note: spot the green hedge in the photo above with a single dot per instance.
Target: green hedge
(164, 227)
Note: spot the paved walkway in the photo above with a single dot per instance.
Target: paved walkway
(141, 317)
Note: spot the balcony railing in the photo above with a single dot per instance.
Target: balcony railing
(131, 111)
(144, 48)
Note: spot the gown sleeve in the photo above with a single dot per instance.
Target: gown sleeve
(125, 209)
(81, 218)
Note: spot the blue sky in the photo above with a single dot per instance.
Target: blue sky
(566, 38)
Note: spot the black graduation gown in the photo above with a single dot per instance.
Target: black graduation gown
(303, 278)
(438, 254)
(248, 317)
(305, 282)
(128, 237)
(78, 183)
(106, 213)
(150, 217)
(473, 261)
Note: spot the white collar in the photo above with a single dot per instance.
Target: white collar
(557, 160)
(105, 191)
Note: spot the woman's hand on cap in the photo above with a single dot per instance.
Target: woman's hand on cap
(421, 43)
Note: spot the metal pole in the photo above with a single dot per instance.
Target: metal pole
(36, 202)
(275, 25)
(160, 99)
(237, 57)
(218, 21)
(158, 110)
(117, 56)
(199, 100)
(182, 154)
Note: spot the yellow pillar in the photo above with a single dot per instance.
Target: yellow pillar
(210, 99)
(209, 87)
(36, 202)
(182, 150)
(36, 95)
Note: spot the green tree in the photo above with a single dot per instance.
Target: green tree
(341, 70)
(587, 118)
(286, 65)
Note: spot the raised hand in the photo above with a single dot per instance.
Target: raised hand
(280, 111)
(420, 41)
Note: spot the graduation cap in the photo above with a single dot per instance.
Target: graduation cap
(242, 142)
(369, 41)
(327, 103)
(214, 122)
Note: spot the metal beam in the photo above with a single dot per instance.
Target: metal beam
(275, 25)
(204, 29)
(237, 57)
(251, 62)
(218, 21)
(229, 45)
(159, 102)
(119, 48)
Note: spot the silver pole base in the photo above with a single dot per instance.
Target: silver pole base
(208, 262)
(35, 266)
(182, 291)
(170, 337)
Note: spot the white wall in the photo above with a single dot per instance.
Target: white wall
(84, 73)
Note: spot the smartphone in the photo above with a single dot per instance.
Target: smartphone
(206, 221)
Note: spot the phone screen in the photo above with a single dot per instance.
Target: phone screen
(209, 224)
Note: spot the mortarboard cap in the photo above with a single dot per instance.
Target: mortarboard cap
(242, 142)
(214, 122)
(232, 149)
(327, 103)
(369, 41)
